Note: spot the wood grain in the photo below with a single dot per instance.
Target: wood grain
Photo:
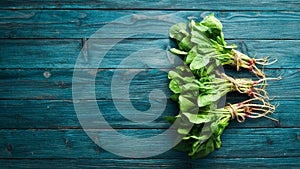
(41, 40)
(154, 4)
(101, 163)
(62, 53)
(33, 84)
(140, 24)
(208, 163)
(57, 114)
(237, 143)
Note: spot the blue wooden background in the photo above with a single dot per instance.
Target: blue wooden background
(39, 44)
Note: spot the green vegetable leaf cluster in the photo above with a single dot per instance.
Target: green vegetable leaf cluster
(203, 42)
(197, 87)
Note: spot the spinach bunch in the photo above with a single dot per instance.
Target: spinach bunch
(201, 95)
(198, 87)
(203, 42)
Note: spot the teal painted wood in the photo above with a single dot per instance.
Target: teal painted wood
(58, 114)
(222, 163)
(39, 53)
(84, 23)
(39, 128)
(237, 143)
(101, 163)
(208, 163)
(62, 53)
(33, 84)
(154, 4)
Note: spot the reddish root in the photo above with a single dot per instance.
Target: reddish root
(247, 109)
(258, 72)
(247, 87)
(242, 60)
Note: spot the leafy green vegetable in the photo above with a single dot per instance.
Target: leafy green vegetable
(178, 31)
(204, 40)
(197, 87)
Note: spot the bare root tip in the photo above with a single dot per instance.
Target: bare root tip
(265, 61)
(273, 119)
(269, 78)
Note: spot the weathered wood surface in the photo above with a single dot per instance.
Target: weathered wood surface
(216, 163)
(154, 4)
(32, 83)
(60, 114)
(68, 143)
(138, 24)
(62, 53)
(41, 40)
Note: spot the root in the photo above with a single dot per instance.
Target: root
(242, 60)
(251, 110)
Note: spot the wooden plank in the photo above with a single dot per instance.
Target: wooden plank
(154, 4)
(219, 163)
(62, 53)
(61, 114)
(247, 163)
(57, 114)
(237, 143)
(140, 24)
(56, 84)
(39, 53)
(61, 146)
(97, 163)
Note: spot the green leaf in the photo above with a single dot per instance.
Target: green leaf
(185, 44)
(178, 52)
(180, 72)
(203, 150)
(198, 27)
(197, 118)
(191, 55)
(186, 105)
(170, 119)
(218, 142)
(208, 99)
(219, 47)
(191, 87)
(175, 97)
(176, 75)
(199, 62)
(203, 137)
(178, 31)
(206, 48)
(220, 39)
(174, 86)
(212, 22)
(198, 35)
(183, 131)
